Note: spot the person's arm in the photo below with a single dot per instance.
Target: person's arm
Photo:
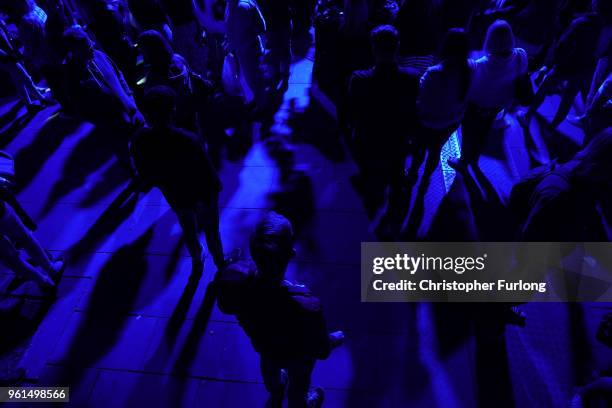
(319, 336)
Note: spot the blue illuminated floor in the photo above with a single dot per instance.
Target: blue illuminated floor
(123, 333)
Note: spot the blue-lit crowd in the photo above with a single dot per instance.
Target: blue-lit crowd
(176, 85)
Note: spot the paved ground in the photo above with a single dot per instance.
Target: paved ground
(126, 331)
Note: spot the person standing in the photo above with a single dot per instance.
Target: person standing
(188, 181)
(493, 88)
(382, 118)
(246, 28)
(284, 320)
(442, 101)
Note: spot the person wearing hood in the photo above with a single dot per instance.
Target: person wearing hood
(492, 89)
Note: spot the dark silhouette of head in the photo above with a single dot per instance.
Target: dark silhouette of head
(77, 45)
(159, 106)
(272, 246)
(500, 39)
(385, 43)
(455, 46)
(156, 50)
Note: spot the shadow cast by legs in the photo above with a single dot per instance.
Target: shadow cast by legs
(108, 307)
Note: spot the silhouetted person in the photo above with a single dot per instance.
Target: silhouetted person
(96, 87)
(564, 205)
(284, 320)
(493, 89)
(441, 106)
(111, 32)
(164, 67)
(382, 117)
(186, 32)
(588, 38)
(442, 101)
(42, 269)
(245, 35)
(176, 162)
(33, 96)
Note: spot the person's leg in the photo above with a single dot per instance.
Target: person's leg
(419, 150)
(481, 137)
(299, 372)
(188, 221)
(209, 220)
(399, 198)
(567, 100)
(437, 138)
(12, 227)
(470, 127)
(550, 81)
(275, 383)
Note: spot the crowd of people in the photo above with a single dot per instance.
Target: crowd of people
(181, 81)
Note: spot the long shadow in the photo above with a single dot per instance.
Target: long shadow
(112, 177)
(109, 305)
(198, 329)
(31, 159)
(89, 155)
(109, 221)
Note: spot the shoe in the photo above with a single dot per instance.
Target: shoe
(315, 398)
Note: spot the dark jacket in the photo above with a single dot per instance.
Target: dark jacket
(284, 321)
(174, 161)
(382, 108)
